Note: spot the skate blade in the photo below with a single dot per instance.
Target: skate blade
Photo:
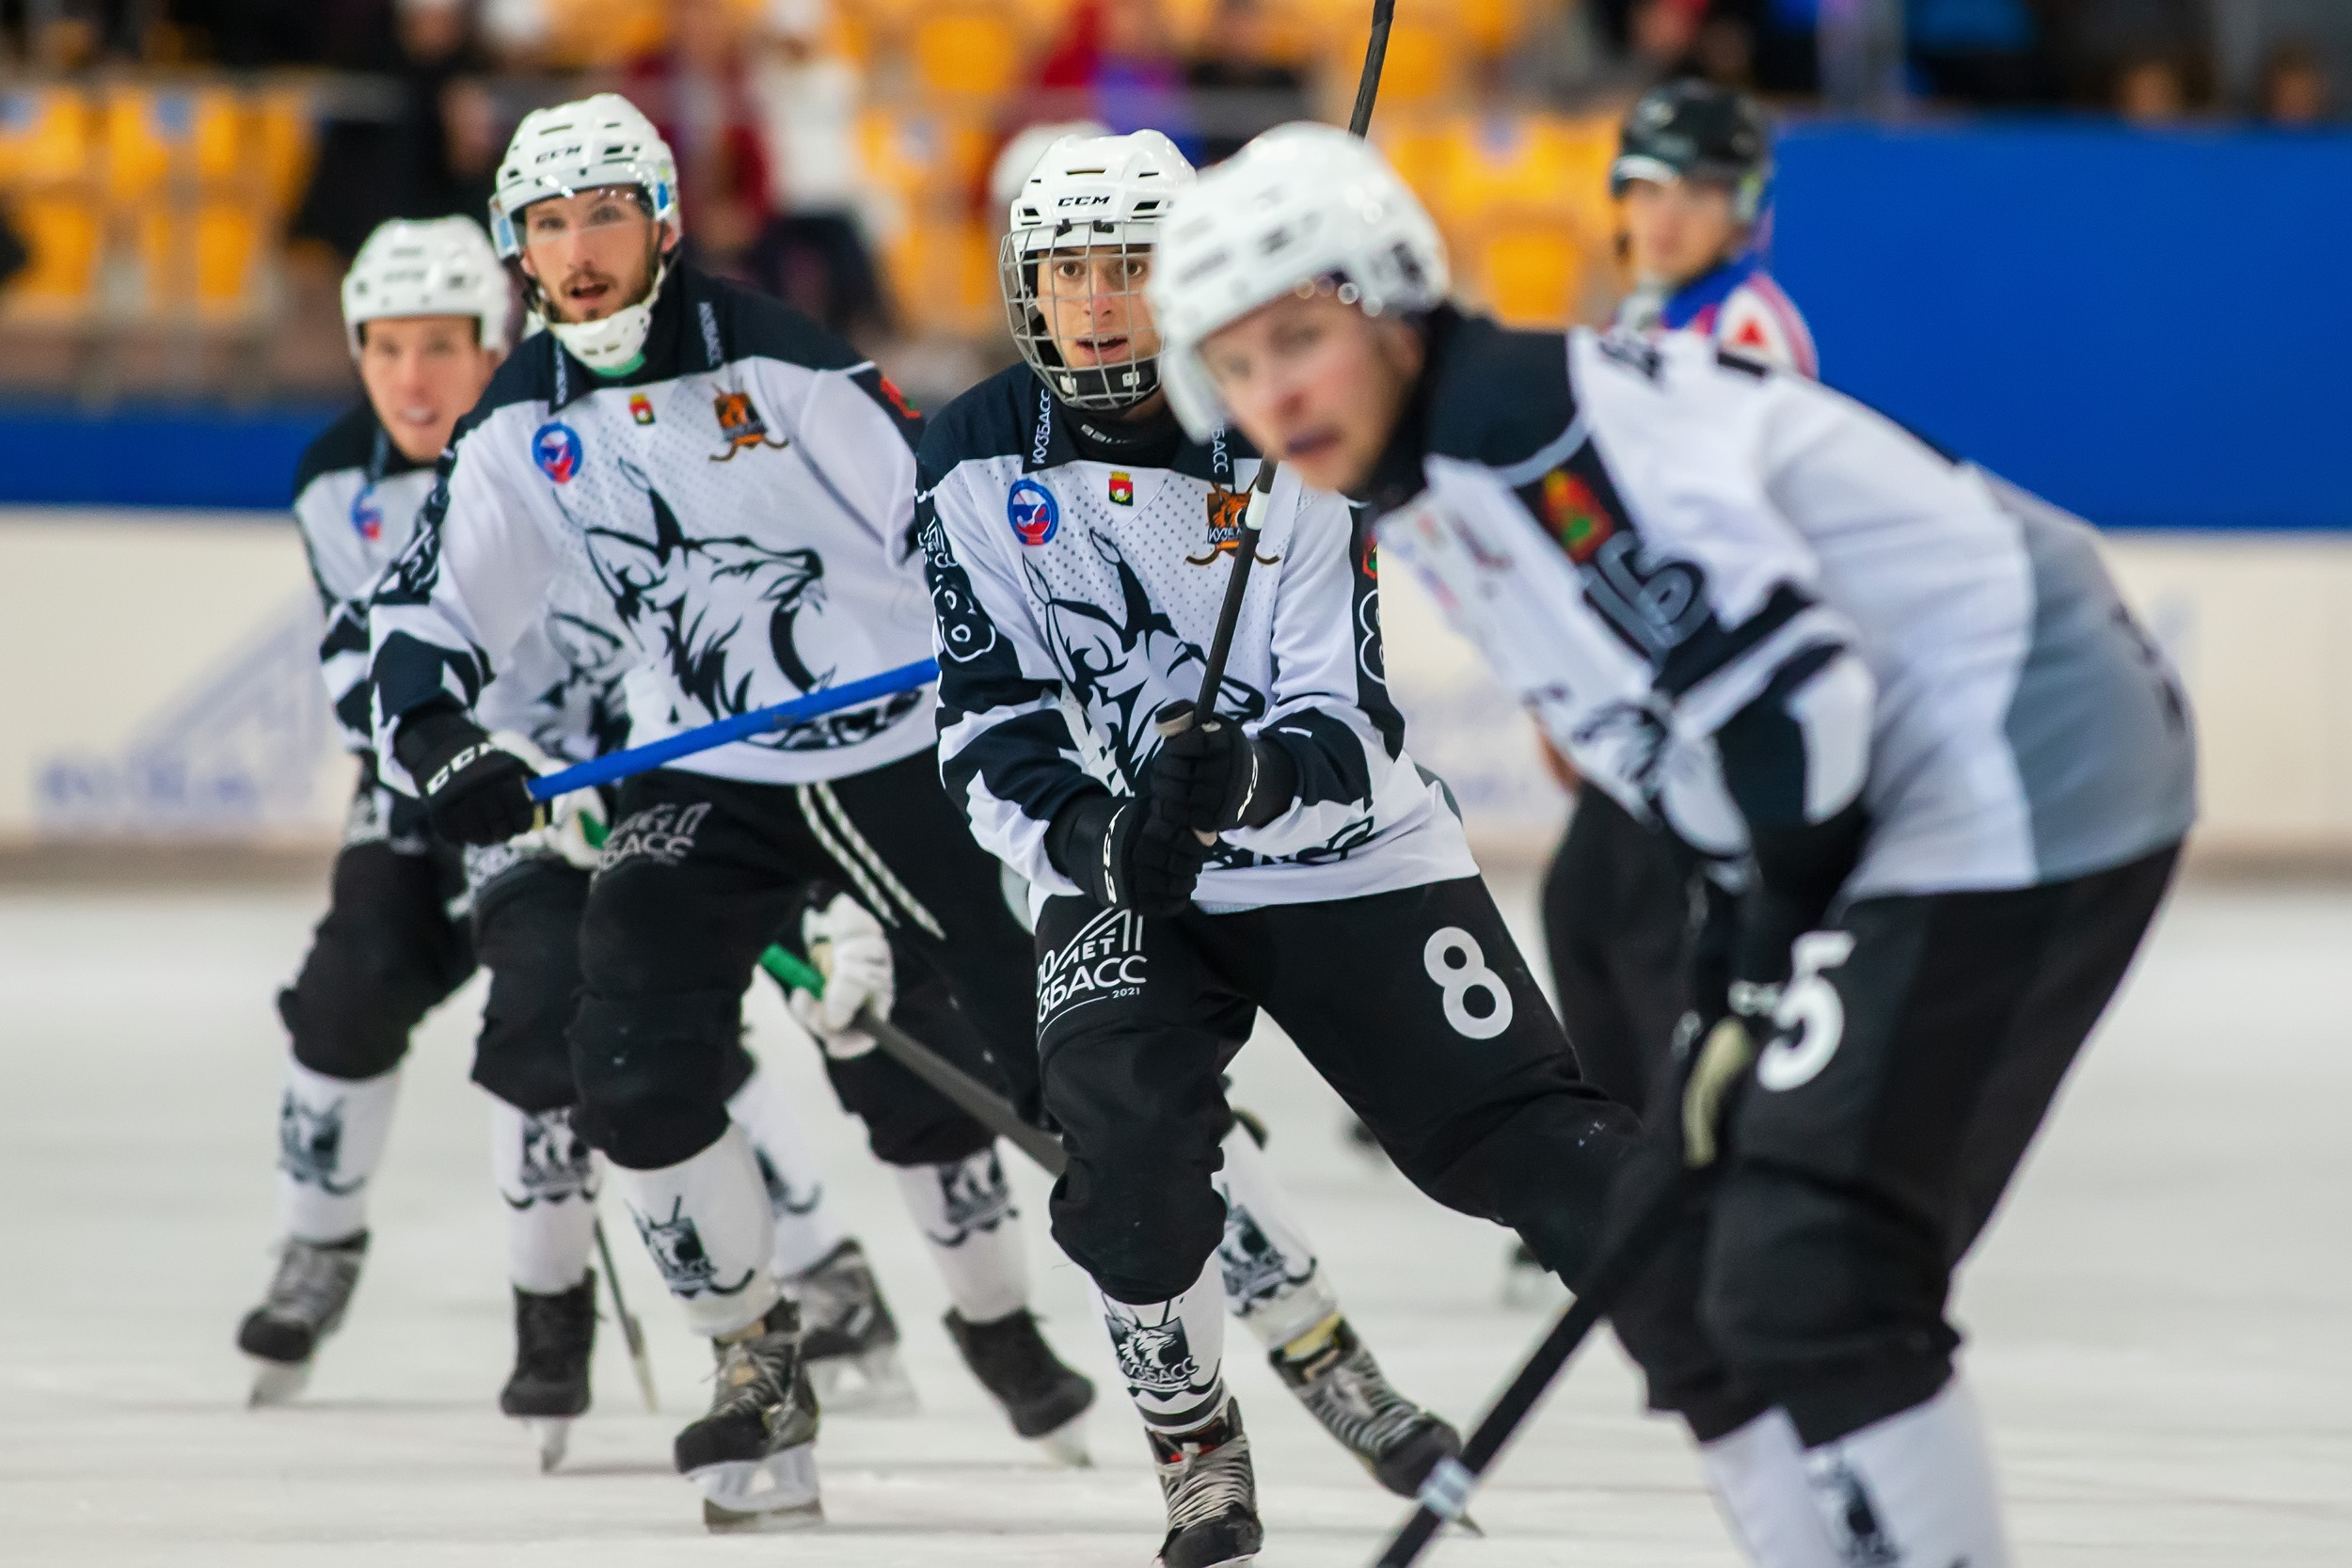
(1066, 1445)
(875, 1384)
(777, 1493)
(277, 1382)
(553, 1436)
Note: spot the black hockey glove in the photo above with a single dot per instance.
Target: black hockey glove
(1124, 854)
(475, 791)
(1212, 778)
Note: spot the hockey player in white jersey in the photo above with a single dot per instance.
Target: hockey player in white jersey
(1900, 695)
(1290, 855)
(427, 307)
(739, 486)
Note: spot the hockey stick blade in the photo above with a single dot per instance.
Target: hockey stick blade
(982, 1103)
(1446, 1495)
(632, 1332)
(833, 699)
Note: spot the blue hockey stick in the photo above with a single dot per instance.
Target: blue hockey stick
(833, 699)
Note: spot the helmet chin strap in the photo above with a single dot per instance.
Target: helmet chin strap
(613, 345)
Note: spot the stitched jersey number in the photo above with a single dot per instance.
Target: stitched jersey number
(1454, 960)
(1811, 1016)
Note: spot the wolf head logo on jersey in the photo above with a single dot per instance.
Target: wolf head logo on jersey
(557, 450)
(1155, 1358)
(678, 1253)
(310, 1145)
(1033, 512)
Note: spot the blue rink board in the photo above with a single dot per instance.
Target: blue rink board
(175, 457)
(2147, 327)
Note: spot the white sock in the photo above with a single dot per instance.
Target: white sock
(1272, 1281)
(787, 1165)
(706, 1222)
(1757, 1476)
(1914, 1490)
(550, 1178)
(965, 1210)
(330, 1138)
(1172, 1352)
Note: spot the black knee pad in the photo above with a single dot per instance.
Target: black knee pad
(384, 956)
(1827, 1299)
(526, 935)
(907, 1121)
(1137, 1208)
(653, 1073)
(1657, 1316)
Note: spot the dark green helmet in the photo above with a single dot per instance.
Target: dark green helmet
(1688, 129)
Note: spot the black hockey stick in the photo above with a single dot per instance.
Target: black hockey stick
(1715, 1075)
(632, 1332)
(1246, 551)
(968, 1094)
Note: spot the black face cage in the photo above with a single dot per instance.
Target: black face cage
(1024, 267)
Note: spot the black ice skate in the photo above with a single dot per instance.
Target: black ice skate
(848, 1337)
(305, 1304)
(554, 1338)
(1045, 1401)
(1212, 1495)
(755, 1455)
(1343, 1389)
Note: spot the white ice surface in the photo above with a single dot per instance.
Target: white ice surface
(2159, 1320)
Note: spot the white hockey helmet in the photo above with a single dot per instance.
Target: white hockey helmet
(1302, 205)
(1096, 195)
(584, 146)
(1018, 158)
(433, 267)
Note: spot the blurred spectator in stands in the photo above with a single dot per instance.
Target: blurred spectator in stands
(2151, 89)
(813, 250)
(698, 92)
(1253, 88)
(1113, 62)
(1986, 51)
(243, 34)
(389, 153)
(2295, 84)
(1723, 51)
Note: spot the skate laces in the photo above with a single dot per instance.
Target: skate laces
(1205, 1474)
(1343, 1389)
(312, 1284)
(757, 1370)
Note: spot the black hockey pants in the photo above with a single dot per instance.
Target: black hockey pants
(700, 874)
(387, 952)
(1869, 1149)
(1616, 915)
(1414, 1004)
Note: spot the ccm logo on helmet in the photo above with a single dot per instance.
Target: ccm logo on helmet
(1083, 201)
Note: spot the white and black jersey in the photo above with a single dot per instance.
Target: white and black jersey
(1649, 540)
(1077, 572)
(358, 499)
(740, 507)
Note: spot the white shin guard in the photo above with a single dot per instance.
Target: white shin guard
(706, 1222)
(549, 1178)
(1172, 1352)
(1757, 1476)
(1272, 1281)
(1914, 1490)
(965, 1212)
(805, 1231)
(331, 1133)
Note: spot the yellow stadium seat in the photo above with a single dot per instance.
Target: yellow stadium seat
(158, 135)
(943, 278)
(227, 245)
(1424, 63)
(1529, 274)
(44, 136)
(61, 232)
(930, 160)
(286, 136)
(973, 54)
